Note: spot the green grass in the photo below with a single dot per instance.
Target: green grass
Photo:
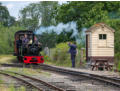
(28, 71)
(12, 88)
(7, 58)
(118, 66)
(65, 63)
(1, 81)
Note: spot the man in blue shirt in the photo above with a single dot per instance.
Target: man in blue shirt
(73, 52)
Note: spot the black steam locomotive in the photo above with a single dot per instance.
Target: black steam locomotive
(27, 48)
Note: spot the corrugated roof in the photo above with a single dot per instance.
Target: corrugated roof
(99, 25)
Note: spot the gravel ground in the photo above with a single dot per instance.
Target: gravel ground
(75, 83)
(67, 82)
(10, 84)
(104, 73)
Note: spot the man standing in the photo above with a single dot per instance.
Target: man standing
(73, 52)
(18, 43)
(25, 41)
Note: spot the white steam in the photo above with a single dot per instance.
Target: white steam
(80, 37)
(59, 28)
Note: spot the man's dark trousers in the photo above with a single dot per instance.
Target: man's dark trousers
(73, 59)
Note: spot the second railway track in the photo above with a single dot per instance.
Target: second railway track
(34, 82)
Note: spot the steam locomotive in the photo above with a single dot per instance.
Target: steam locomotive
(30, 52)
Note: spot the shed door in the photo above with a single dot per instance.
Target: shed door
(86, 47)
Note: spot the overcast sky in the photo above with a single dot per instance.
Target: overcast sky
(15, 6)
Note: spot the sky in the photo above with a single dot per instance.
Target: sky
(15, 6)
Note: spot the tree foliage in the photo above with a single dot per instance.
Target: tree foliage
(7, 30)
(7, 38)
(52, 38)
(48, 39)
(5, 17)
(65, 37)
(38, 14)
(88, 13)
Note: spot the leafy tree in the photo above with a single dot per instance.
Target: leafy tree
(5, 17)
(65, 37)
(52, 38)
(48, 39)
(86, 16)
(7, 38)
(38, 14)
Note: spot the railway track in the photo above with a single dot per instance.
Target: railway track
(34, 82)
(108, 80)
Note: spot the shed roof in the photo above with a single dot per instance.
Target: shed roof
(99, 25)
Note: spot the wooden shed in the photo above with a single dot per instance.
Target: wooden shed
(100, 43)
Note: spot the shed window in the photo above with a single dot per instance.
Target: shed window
(102, 36)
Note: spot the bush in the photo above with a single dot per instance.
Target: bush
(59, 56)
(55, 54)
(118, 67)
(117, 60)
(7, 38)
(61, 52)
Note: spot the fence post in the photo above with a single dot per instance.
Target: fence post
(81, 56)
(47, 51)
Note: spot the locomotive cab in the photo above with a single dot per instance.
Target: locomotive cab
(28, 52)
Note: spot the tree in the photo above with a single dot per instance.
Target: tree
(48, 39)
(5, 17)
(65, 37)
(38, 14)
(86, 16)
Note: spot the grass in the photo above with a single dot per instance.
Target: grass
(28, 71)
(7, 58)
(1, 81)
(4, 88)
(66, 63)
(12, 88)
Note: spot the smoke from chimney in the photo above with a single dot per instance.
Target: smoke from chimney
(66, 27)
